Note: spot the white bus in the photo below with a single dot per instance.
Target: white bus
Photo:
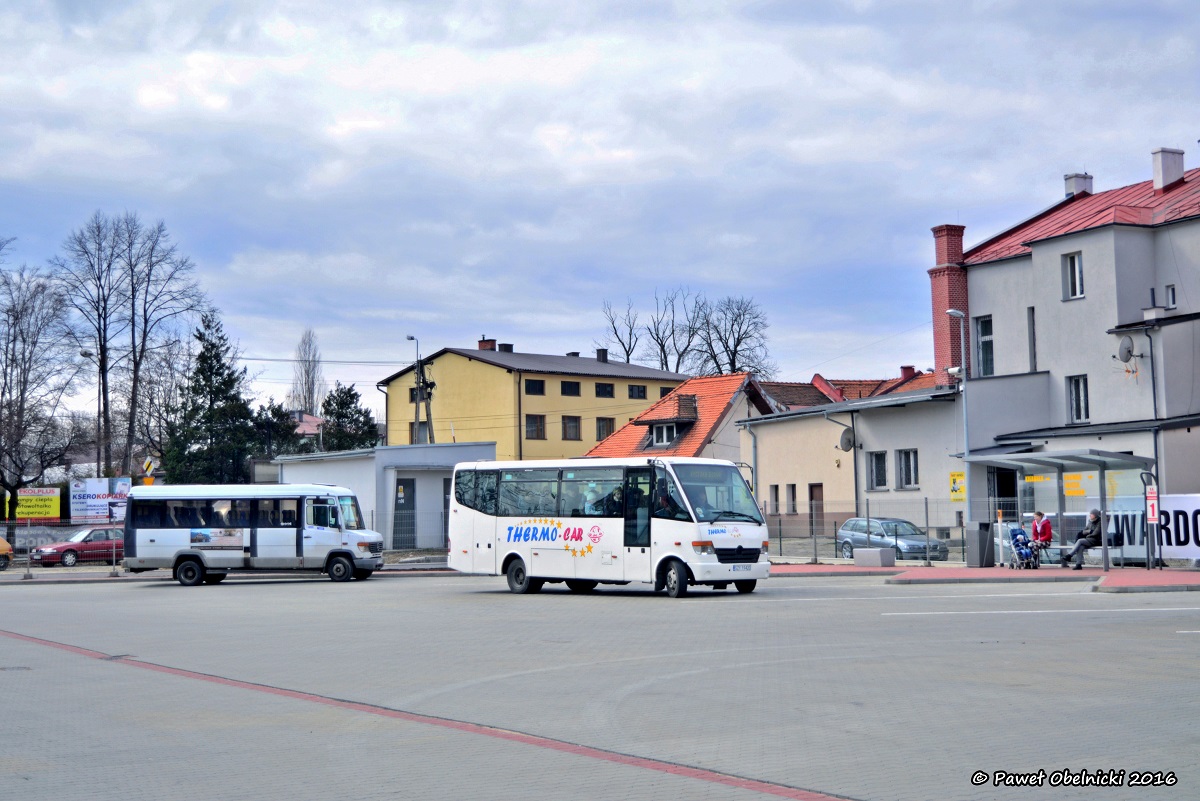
(669, 522)
(201, 532)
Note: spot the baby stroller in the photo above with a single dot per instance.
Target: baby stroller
(1024, 555)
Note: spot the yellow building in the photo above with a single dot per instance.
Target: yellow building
(533, 406)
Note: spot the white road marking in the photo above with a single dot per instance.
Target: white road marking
(1049, 611)
(1063, 594)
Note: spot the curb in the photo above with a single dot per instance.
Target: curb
(1149, 588)
(989, 580)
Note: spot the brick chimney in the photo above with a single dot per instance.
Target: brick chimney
(948, 290)
(1168, 167)
(487, 344)
(907, 371)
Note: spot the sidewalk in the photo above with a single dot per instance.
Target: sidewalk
(1129, 579)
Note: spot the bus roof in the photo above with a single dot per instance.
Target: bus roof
(234, 491)
(628, 461)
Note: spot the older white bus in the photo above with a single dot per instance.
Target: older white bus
(667, 522)
(201, 532)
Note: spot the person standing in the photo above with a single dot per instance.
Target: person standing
(1042, 534)
(1088, 538)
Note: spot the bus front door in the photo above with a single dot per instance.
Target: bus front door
(637, 556)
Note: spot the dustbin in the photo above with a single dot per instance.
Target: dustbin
(981, 550)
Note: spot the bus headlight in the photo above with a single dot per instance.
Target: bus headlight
(766, 546)
(364, 546)
(703, 547)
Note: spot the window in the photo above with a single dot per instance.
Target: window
(664, 433)
(412, 395)
(1031, 324)
(588, 492)
(570, 389)
(637, 391)
(774, 499)
(535, 426)
(604, 428)
(791, 499)
(984, 352)
(418, 434)
(1170, 296)
(604, 390)
(906, 469)
(570, 427)
(1072, 266)
(476, 490)
(535, 386)
(1077, 397)
(528, 492)
(664, 391)
(877, 470)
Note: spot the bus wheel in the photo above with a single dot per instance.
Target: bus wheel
(747, 585)
(362, 575)
(579, 585)
(189, 573)
(340, 569)
(215, 578)
(676, 580)
(519, 581)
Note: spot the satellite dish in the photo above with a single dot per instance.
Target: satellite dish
(1125, 351)
(846, 441)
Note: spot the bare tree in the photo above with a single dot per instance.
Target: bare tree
(623, 333)
(671, 331)
(732, 337)
(167, 369)
(161, 291)
(36, 368)
(308, 381)
(94, 285)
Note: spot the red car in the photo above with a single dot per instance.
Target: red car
(101, 544)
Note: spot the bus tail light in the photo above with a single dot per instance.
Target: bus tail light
(703, 546)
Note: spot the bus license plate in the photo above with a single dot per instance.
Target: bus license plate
(740, 567)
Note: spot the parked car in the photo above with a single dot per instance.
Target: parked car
(5, 553)
(888, 532)
(86, 545)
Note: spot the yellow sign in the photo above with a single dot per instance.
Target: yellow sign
(1032, 479)
(36, 503)
(1072, 476)
(958, 486)
(1075, 492)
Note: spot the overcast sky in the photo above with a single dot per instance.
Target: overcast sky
(453, 169)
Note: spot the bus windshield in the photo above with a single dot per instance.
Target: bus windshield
(351, 516)
(717, 492)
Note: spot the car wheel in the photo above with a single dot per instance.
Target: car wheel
(69, 558)
(215, 578)
(676, 580)
(746, 585)
(4, 560)
(362, 575)
(340, 569)
(189, 573)
(847, 550)
(519, 580)
(579, 585)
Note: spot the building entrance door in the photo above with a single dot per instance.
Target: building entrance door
(404, 515)
(816, 510)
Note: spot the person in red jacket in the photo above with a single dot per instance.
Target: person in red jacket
(1041, 530)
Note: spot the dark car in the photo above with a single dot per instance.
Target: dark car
(100, 544)
(888, 532)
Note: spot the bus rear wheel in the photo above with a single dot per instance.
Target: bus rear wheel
(189, 573)
(746, 585)
(579, 585)
(519, 580)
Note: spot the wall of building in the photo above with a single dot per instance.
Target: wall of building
(355, 473)
(1179, 461)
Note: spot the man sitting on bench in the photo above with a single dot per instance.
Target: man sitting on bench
(1088, 538)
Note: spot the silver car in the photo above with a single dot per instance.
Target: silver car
(888, 532)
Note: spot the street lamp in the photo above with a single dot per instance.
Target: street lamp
(962, 367)
(416, 432)
(87, 354)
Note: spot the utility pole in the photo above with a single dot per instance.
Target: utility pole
(424, 389)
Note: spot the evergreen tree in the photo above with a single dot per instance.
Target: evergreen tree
(348, 425)
(275, 431)
(212, 435)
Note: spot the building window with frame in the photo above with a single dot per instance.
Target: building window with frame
(535, 386)
(535, 426)
(570, 389)
(637, 391)
(412, 395)
(791, 499)
(664, 434)
(985, 353)
(1077, 397)
(1072, 268)
(570, 427)
(1170, 293)
(664, 391)
(774, 499)
(604, 390)
(906, 469)
(604, 428)
(877, 470)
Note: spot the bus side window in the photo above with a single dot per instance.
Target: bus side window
(637, 507)
(464, 488)
(485, 492)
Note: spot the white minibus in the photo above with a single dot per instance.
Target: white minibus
(668, 522)
(201, 532)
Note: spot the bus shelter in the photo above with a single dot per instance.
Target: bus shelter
(1060, 463)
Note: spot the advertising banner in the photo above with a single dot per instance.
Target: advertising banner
(1179, 526)
(99, 500)
(36, 503)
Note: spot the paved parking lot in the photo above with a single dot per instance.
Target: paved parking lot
(449, 687)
